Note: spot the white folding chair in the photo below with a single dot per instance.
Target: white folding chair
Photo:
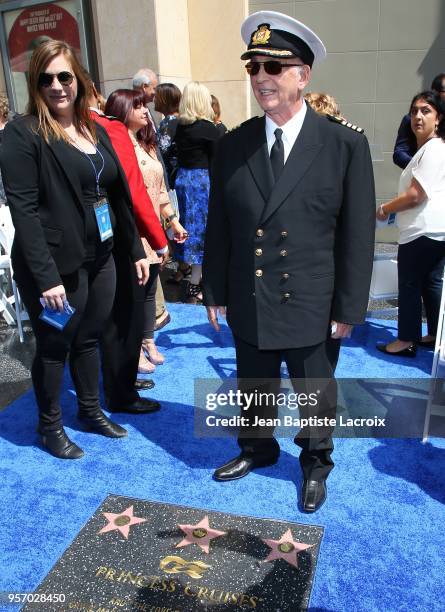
(384, 282)
(10, 304)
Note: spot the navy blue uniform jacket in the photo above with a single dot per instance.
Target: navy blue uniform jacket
(287, 257)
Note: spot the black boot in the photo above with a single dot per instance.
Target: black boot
(59, 445)
(98, 422)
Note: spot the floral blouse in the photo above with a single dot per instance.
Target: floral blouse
(167, 145)
(153, 175)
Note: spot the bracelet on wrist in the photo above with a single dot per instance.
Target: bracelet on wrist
(171, 217)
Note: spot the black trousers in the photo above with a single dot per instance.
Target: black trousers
(90, 291)
(122, 338)
(150, 303)
(259, 370)
(420, 266)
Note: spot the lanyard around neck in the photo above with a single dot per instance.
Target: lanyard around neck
(97, 173)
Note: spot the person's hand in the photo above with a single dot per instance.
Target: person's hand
(164, 259)
(142, 271)
(180, 234)
(212, 315)
(381, 214)
(55, 298)
(341, 330)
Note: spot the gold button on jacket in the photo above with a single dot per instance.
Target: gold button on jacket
(258, 272)
(258, 252)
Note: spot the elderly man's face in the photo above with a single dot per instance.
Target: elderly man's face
(279, 95)
(150, 90)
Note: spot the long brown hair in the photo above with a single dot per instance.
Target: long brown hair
(120, 104)
(48, 127)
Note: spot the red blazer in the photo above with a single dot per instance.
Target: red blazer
(147, 221)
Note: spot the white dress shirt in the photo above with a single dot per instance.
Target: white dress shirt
(291, 129)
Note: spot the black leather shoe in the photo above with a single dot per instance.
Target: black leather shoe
(313, 494)
(99, 423)
(144, 384)
(141, 406)
(411, 351)
(427, 344)
(240, 466)
(59, 445)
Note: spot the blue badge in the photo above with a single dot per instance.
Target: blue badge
(103, 220)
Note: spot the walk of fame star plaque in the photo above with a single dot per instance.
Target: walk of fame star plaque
(143, 556)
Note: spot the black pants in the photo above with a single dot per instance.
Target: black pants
(260, 370)
(420, 266)
(150, 303)
(122, 338)
(90, 291)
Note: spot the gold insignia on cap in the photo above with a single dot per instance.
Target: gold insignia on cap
(261, 36)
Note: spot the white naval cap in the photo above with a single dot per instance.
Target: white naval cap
(277, 35)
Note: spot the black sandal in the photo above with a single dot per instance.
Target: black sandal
(193, 294)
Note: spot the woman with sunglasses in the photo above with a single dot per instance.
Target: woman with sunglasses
(196, 137)
(70, 207)
(421, 221)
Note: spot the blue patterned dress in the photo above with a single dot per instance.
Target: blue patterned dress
(195, 145)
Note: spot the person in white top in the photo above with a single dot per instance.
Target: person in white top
(420, 208)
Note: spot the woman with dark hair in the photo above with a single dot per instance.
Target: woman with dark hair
(167, 99)
(405, 145)
(70, 207)
(128, 106)
(420, 208)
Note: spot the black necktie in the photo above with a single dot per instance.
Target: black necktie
(277, 154)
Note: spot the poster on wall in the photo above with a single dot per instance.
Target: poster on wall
(28, 27)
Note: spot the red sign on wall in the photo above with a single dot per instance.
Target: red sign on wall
(36, 24)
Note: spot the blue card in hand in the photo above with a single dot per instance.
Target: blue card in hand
(54, 317)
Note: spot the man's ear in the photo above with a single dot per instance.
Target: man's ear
(305, 75)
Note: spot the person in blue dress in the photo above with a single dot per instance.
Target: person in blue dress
(196, 137)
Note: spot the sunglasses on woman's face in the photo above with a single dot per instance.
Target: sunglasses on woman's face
(46, 79)
(270, 67)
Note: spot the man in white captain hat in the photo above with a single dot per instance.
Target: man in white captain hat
(289, 242)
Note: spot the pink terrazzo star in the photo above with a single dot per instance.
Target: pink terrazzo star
(121, 521)
(286, 548)
(199, 534)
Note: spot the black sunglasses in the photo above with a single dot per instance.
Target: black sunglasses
(46, 79)
(270, 67)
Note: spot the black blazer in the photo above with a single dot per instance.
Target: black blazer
(46, 205)
(287, 257)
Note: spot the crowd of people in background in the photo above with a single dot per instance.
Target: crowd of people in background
(151, 184)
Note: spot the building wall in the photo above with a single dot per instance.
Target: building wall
(380, 53)
(215, 49)
(180, 40)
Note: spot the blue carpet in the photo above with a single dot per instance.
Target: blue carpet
(384, 519)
